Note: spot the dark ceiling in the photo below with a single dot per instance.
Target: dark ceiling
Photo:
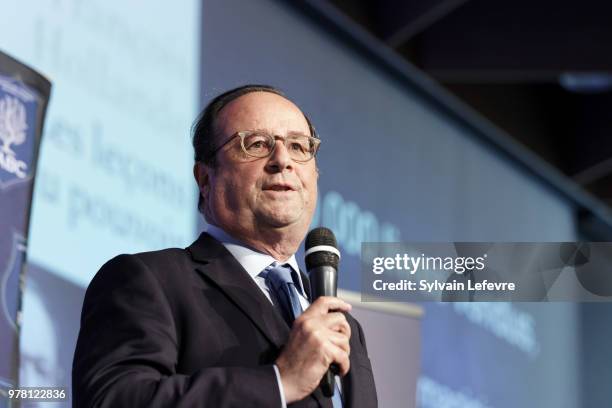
(539, 69)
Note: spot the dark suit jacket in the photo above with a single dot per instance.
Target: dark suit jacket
(190, 328)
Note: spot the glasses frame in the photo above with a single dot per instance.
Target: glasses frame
(244, 133)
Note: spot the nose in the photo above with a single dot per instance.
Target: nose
(279, 160)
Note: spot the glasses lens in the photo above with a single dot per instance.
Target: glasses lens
(261, 144)
(300, 147)
(258, 144)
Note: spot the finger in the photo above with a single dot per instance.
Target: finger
(325, 304)
(337, 322)
(340, 340)
(340, 358)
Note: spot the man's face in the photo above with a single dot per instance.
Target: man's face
(245, 194)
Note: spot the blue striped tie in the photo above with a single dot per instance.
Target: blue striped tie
(280, 280)
(283, 283)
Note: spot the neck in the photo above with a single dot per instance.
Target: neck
(279, 243)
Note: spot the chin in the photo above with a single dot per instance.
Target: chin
(281, 219)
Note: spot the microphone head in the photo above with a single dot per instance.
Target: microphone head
(321, 249)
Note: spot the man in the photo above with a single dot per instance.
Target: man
(205, 326)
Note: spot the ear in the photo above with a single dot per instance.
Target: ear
(201, 173)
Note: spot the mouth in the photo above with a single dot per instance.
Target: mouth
(279, 187)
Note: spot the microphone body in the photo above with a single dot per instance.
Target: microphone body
(322, 257)
(323, 281)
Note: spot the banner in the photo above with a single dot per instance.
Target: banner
(24, 95)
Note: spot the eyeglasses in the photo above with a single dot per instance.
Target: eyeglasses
(260, 144)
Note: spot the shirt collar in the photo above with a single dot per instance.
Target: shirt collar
(254, 262)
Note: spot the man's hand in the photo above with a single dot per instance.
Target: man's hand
(319, 337)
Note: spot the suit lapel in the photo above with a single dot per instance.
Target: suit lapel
(218, 265)
(306, 284)
(347, 387)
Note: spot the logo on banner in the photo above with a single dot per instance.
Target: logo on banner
(17, 104)
(13, 126)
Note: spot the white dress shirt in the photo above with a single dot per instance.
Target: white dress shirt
(254, 263)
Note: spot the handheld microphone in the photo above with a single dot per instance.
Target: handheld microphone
(322, 257)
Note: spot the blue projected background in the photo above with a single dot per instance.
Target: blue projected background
(394, 166)
(114, 173)
(115, 165)
(115, 177)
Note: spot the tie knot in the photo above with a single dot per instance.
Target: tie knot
(279, 275)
